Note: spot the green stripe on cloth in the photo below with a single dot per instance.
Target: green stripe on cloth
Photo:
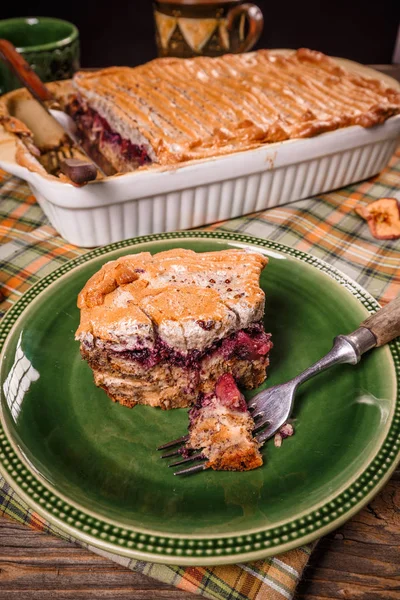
(326, 227)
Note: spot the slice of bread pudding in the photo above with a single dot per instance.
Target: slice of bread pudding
(162, 329)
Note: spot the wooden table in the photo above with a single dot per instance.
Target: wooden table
(359, 561)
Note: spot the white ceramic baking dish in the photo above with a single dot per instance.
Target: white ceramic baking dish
(203, 192)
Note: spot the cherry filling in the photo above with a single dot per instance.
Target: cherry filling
(247, 344)
(96, 129)
(248, 347)
(228, 393)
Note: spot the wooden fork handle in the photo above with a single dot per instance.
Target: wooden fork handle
(24, 72)
(385, 324)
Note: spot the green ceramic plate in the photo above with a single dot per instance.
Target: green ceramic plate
(91, 466)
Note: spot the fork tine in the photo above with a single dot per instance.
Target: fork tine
(252, 405)
(173, 453)
(265, 434)
(257, 415)
(180, 440)
(261, 424)
(194, 469)
(197, 456)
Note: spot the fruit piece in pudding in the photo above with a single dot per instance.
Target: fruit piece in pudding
(222, 427)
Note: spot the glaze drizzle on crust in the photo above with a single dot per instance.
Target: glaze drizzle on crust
(188, 299)
(202, 107)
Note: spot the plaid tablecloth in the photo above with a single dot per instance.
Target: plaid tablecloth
(326, 227)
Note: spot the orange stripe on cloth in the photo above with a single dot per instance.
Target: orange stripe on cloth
(391, 292)
(36, 522)
(313, 233)
(21, 209)
(41, 261)
(187, 585)
(12, 223)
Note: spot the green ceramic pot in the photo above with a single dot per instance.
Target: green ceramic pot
(50, 46)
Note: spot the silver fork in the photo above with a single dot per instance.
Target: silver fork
(272, 407)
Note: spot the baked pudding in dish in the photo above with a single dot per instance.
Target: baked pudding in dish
(162, 329)
(172, 110)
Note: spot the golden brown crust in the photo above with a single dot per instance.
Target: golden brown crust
(111, 275)
(189, 109)
(237, 458)
(170, 286)
(296, 94)
(127, 269)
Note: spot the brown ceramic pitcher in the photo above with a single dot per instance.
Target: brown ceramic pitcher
(186, 28)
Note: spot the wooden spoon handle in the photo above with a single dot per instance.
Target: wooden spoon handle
(385, 324)
(24, 72)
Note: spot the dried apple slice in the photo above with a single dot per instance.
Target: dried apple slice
(383, 218)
